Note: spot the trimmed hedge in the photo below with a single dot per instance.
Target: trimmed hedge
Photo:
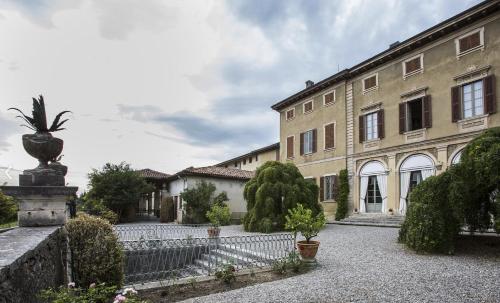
(8, 209)
(276, 188)
(431, 223)
(97, 256)
(342, 207)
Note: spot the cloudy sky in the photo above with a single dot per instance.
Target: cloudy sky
(172, 84)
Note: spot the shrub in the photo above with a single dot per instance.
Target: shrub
(97, 256)
(266, 226)
(100, 293)
(117, 186)
(96, 208)
(198, 201)
(301, 220)
(431, 223)
(226, 274)
(8, 209)
(291, 263)
(342, 207)
(219, 215)
(276, 188)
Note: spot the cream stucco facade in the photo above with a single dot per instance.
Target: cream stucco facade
(375, 132)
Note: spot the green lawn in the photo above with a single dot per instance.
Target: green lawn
(9, 224)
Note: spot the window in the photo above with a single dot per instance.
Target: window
(244, 161)
(250, 160)
(370, 83)
(329, 136)
(373, 196)
(235, 164)
(308, 107)
(472, 98)
(413, 66)
(289, 147)
(308, 142)
(290, 114)
(415, 114)
(329, 98)
(256, 158)
(371, 126)
(470, 42)
(329, 187)
(415, 179)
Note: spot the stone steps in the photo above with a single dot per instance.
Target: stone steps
(372, 220)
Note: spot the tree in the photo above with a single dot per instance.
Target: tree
(117, 186)
(342, 207)
(8, 209)
(276, 188)
(198, 201)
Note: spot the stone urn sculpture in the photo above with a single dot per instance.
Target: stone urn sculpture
(43, 146)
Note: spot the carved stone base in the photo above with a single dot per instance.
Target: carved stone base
(41, 205)
(41, 177)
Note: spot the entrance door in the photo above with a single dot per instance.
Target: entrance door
(373, 197)
(415, 179)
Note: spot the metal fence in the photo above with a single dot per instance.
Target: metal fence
(166, 259)
(134, 232)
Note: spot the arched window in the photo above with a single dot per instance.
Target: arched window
(373, 187)
(456, 157)
(412, 171)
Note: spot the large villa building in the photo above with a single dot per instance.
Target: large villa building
(399, 117)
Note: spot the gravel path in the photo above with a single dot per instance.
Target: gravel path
(365, 264)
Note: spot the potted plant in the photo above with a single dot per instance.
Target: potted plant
(217, 215)
(391, 212)
(301, 220)
(41, 144)
(355, 210)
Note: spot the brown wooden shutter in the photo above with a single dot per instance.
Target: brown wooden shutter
(289, 147)
(335, 187)
(427, 110)
(402, 117)
(315, 140)
(301, 144)
(321, 188)
(455, 103)
(361, 129)
(329, 136)
(490, 102)
(380, 124)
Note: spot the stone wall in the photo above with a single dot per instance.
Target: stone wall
(31, 259)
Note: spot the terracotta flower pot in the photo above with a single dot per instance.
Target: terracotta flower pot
(43, 147)
(309, 250)
(213, 232)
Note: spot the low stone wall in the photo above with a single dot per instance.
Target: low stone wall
(31, 259)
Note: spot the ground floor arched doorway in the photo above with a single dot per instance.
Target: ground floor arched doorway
(413, 170)
(373, 188)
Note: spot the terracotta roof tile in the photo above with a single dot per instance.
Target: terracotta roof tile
(217, 172)
(152, 174)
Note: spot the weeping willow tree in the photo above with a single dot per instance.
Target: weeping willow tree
(276, 188)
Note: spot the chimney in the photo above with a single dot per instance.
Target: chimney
(392, 45)
(309, 83)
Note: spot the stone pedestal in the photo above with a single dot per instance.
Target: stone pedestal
(41, 205)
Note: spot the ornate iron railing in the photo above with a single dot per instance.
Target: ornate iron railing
(170, 259)
(132, 232)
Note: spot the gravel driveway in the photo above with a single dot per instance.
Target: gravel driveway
(365, 264)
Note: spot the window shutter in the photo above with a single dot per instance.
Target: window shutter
(289, 147)
(329, 136)
(315, 140)
(490, 102)
(455, 103)
(335, 187)
(361, 129)
(380, 124)
(301, 144)
(402, 118)
(321, 188)
(427, 110)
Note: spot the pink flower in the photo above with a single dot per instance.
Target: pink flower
(92, 285)
(71, 284)
(119, 298)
